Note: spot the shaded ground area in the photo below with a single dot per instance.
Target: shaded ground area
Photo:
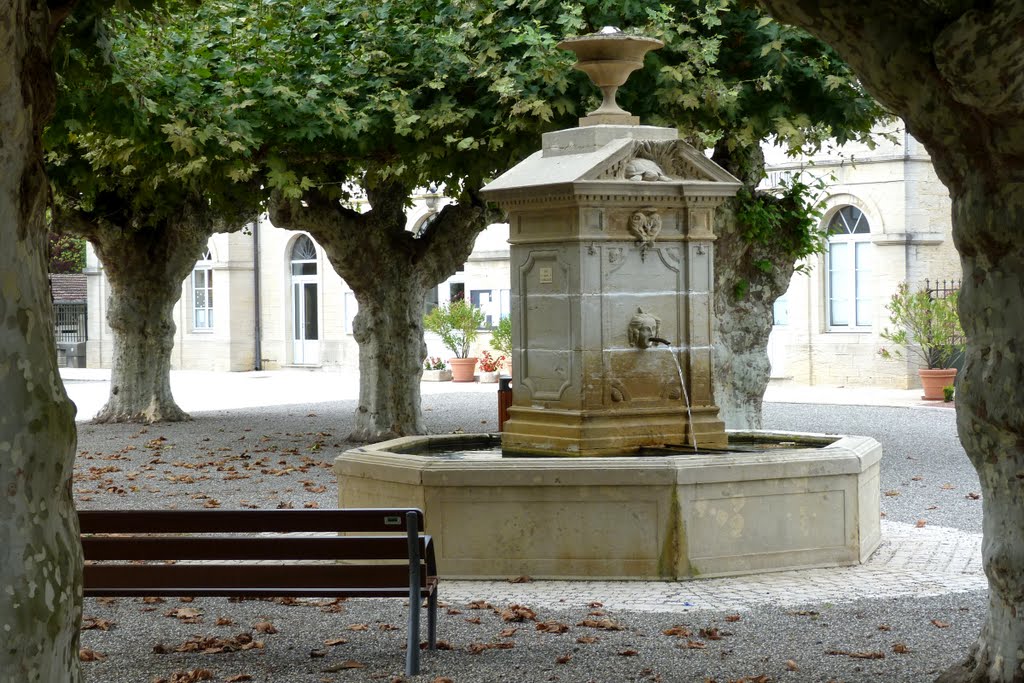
(281, 457)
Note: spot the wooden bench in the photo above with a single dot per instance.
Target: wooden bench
(265, 553)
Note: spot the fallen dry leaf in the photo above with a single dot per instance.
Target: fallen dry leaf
(603, 624)
(347, 664)
(520, 579)
(884, 627)
(317, 654)
(387, 627)
(480, 604)
(693, 645)
(335, 641)
(508, 633)
(238, 678)
(442, 679)
(191, 676)
(552, 627)
(472, 620)
(358, 627)
(627, 653)
(973, 496)
(224, 621)
(900, 648)
(921, 523)
(563, 659)
(732, 618)
(679, 631)
(711, 633)
(188, 615)
(518, 613)
(96, 623)
(210, 645)
(264, 627)
(938, 623)
(477, 648)
(87, 654)
(791, 665)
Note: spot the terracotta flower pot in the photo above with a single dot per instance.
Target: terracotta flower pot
(463, 369)
(932, 381)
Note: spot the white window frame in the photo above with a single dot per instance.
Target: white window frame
(202, 311)
(855, 275)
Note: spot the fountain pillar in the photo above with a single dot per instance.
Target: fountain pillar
(611, 244)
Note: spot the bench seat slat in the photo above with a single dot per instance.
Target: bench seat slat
(225, 577)
(248, 548)
(365, 520)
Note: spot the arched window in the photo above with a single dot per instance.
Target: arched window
(848, 264)
(305, 303)
(202, 293)
(303, 257)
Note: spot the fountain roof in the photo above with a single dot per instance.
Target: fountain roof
(602, 154)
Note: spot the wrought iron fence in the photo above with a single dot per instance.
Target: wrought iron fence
(941, 289)
(69, 322)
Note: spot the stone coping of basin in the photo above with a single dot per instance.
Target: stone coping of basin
(842, 455)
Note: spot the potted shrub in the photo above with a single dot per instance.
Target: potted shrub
(501, 339)
(458, 324)
(929, 329)
(490, 366)
(435, 370)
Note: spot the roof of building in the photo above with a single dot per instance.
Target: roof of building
(68, 287)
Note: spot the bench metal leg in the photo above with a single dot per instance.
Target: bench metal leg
(432, 620)
(412, 655)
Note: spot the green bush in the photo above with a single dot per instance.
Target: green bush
(926, 327)
(501, 337)
(457, 323)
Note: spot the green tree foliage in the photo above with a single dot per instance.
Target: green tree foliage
(67, 254)
(323, 100)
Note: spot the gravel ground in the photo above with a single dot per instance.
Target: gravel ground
(281, 457)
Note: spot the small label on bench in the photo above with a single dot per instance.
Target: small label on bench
(393, 520)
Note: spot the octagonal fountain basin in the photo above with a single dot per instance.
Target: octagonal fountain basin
(794, 501)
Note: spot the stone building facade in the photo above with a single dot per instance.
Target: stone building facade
(301, 313)
(891, 220)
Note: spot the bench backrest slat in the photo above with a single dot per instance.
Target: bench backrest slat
(137, 547)
(183, 577)
(358, 520)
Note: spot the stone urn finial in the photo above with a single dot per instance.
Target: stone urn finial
(608, 57)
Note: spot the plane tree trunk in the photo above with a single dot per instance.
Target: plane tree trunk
(145, 266)
(956, 75)
(750, 274)
(390, 271)
(40, 554)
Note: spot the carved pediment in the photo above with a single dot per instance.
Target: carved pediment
(663, 161)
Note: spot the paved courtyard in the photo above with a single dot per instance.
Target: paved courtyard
(926, 571)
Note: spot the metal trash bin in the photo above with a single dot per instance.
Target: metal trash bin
(504, 400)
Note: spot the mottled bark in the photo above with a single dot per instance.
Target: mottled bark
(390, 271)
(744, 300)
(956, 76)
(40, 555)
(145, 266)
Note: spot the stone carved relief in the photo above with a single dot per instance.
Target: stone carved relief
(642, 327)
(645, 226)
(619, 393)
(656, 161)
(644, 170)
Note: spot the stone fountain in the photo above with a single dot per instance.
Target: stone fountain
(611, 259)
